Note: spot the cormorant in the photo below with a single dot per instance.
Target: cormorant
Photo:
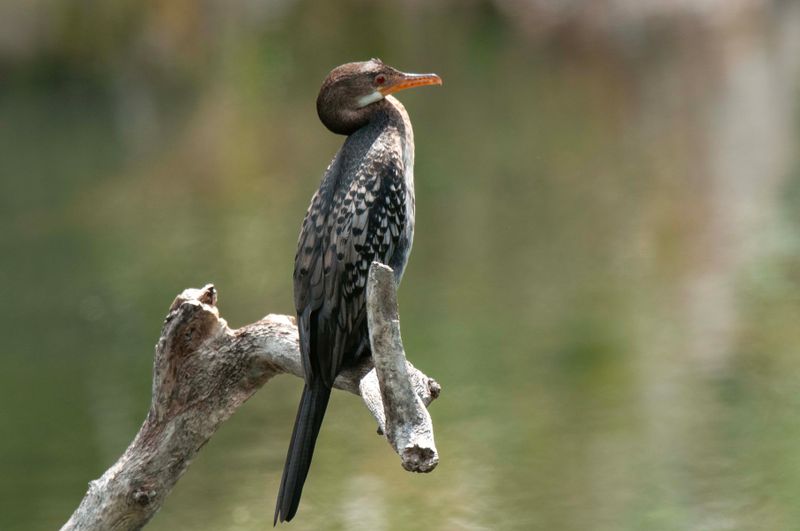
(363, 211)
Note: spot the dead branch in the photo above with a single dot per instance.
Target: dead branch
(203, 371)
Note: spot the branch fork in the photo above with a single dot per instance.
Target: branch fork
(204, 370)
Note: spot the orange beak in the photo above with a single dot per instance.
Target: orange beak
(407, 81)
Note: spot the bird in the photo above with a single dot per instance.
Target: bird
(362, 212)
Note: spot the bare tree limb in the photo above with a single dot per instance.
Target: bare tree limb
(203, 371)
(408, 424)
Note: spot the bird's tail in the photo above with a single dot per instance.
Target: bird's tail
(298, 460)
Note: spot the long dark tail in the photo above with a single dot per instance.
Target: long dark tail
(298, 460)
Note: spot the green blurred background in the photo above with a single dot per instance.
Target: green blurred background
(605, 278)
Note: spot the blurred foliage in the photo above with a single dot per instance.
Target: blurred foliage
(604, 280)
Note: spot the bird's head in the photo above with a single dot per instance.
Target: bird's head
(346, 99)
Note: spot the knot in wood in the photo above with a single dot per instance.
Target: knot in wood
(434, 388)
(144, 496)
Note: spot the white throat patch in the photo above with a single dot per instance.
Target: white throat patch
(363, 101)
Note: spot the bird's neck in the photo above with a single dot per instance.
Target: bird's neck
(390, 113)
(390, 117)
(385, 112)
(395, 114)
(397, 117)
(388, 127)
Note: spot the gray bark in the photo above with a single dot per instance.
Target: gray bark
(203, 371)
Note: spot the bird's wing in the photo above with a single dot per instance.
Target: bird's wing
(363, 222)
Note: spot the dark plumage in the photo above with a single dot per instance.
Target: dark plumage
(363, 211)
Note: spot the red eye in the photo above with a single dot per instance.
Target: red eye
(380, 79)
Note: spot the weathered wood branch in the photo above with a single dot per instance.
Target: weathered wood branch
(408, 424)
(203, 371)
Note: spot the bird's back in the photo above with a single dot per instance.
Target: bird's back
(363, 211)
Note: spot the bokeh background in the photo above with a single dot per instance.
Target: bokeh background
(605, 279)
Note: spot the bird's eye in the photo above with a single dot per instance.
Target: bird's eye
(380, 79)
